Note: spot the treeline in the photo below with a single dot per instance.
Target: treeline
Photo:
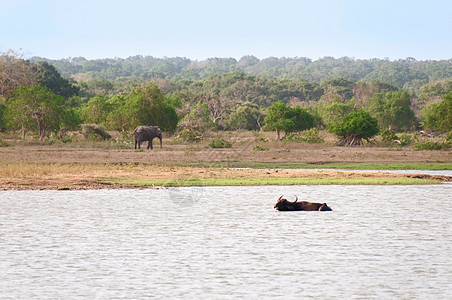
(408, 74)
(36, 97)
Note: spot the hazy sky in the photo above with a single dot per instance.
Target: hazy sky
(199, 29)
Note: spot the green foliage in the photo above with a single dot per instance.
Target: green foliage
(197, 121)
(355, 127)
(259, 148)
(36, 108)
(438, 116)
(388, 135)
(47, 75)
(406, 139)
(146, 105)
(95, 132)
(220, 143)
(96, 110)
(2, 113)
(287, 119)
(431, 145)
(404, 73)
(247, 116)
(310, 136)
(190, 135)
(392, 110)
(3, 143)
(334, 111)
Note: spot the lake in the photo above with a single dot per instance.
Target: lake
(380, 242)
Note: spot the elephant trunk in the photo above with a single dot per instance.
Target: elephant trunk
(160, 138)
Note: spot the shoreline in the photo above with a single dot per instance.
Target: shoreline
(83, 168)
(70, 176)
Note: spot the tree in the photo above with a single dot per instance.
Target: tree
(96, 110)
(197, 122)
(46, 75)
(145, 105)
(334, 111)
(14, 72)
(355, 127)
(247, 116)
(438, 116)
(35, 107)
(287, 119)
(392, 110)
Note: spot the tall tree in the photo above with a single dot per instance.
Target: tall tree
(355, 127)
(14, 72)
(283, 118)
(46, 75)
(438, 116)
(35, 107)
(393, 110)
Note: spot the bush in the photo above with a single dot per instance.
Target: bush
(95, 132)
(3, 143)
(388, 135)
(259, 148)
(355, 127)
(190, 135)
(310, 136)
(406, 139)
(429, 145)
(220, 143)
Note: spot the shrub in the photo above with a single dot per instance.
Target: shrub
(388, 135)
(430, 145)
(355, 127)
(3, 143)
(310, 136)
(406, 139)
(95, 132)
(220, 143)
(259, 148)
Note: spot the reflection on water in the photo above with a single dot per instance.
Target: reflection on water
(380, 242)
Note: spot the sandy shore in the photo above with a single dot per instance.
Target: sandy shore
(45, 167)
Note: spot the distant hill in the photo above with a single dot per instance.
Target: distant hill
(408, 74)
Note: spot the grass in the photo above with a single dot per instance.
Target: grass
(90, 175)
(271, 181)
(345, 166)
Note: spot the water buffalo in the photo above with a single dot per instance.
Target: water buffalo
(284, 205)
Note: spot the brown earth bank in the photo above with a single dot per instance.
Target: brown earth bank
(70, 167)
(310, 154)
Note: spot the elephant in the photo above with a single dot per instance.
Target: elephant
(146, 133)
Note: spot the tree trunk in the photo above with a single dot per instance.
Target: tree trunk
(278, 135)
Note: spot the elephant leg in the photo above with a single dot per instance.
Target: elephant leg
(136, 144)
(150, 144)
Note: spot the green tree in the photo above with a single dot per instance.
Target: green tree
(247, 116)
(287, 119)
(197, 122)
(146, 105)
(334, 111)
(438, 116)
(96, 110)
(392, 110)
(355, 127)
(46, 75)
(34, 107)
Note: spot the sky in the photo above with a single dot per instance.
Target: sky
(201, 29)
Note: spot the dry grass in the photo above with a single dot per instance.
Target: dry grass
(84, 164)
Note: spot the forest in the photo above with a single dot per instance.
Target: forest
(354, 99)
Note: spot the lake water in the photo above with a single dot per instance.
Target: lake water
(380, 242)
